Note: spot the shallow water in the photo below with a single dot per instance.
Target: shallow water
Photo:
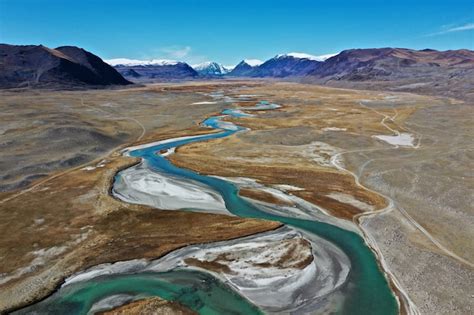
(199, 291)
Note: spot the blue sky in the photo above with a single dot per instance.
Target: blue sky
(229, 31)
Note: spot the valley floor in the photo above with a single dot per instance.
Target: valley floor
(397, 165)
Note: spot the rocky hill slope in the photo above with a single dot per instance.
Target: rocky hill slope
(67, 66)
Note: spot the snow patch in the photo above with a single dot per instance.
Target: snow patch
(306, 56)
(286, 187)
(403, 139)
(253, 62)
(136, 62)
(334, 129)
(325, 57)
(203, 103)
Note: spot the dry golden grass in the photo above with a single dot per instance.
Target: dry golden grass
(263, 196)
(152, 306)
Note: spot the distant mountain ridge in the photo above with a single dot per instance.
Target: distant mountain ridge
(66, 66)
(365, 64)
(178, 71)
(427, 71)
(153, 70)
(280, 66)
(286, 65)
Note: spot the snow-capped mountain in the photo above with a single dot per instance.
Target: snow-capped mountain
(211, 69)
(282, 65)
(152, 70)
(306, 56)
(285, 65)
(253, 62)
(245, 68)
(135, 62)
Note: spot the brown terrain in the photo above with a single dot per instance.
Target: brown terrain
(447, 73)
(428, 71)
(295, 151)
(66, 221)
(150, 306)
(425, 236)
(63, 219)
(263, 196)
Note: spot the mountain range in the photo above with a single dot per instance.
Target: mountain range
(449, 73)
(153, 70)
(284, 65)
(366, 64)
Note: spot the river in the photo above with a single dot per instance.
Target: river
(366, 290)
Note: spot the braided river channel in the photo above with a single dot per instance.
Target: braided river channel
(354, 282)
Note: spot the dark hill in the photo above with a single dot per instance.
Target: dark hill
(447, 73)
(392, 63)
(40, 66)
(280, 66)
(157, 72)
